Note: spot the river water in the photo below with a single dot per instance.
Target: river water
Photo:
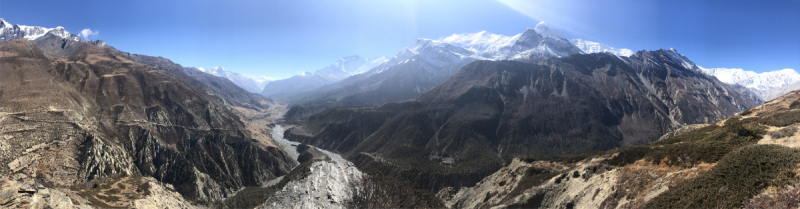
(291, 148)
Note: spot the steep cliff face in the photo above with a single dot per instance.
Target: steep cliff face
(94, 113)
(459, 131)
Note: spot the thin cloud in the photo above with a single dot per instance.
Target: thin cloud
(86, 33)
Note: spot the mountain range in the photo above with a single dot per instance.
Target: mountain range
(464, 127)
(764, 83)
(429, 62)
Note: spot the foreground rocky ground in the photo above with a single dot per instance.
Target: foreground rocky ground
(119, 192)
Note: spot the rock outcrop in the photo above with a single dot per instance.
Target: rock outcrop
(14, 194)
(328, 186)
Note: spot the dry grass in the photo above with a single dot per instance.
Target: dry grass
(782, 136)
(116, 192)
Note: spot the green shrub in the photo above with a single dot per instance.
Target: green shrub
(782, 118)
(628, 155)
(707, 144)
(533, 177)
(737, 177)
(380, 191)
(746, 112)
(250, 197)
(794, 105)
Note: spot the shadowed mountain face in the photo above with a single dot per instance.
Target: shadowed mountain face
(94, 112)
(459, 131)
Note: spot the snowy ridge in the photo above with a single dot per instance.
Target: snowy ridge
(545, 30)
(757, 81)
(8, 31)
(454, 51)
(594, 47)
(482, 41)
(252, 83)
(349, 66)
(679, 58)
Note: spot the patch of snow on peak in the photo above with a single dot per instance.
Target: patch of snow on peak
(545, 30)
(60, 32)
(481, 41)
(33, 32)
(679, 58)
(594, 47)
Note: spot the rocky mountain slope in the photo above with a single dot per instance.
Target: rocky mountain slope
(95, 112)
(327, 186)
(746, 161)
(459, 131)
(766, 86)
(428, 63)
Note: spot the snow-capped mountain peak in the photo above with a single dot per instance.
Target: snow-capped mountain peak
(545, 30)
(4, 24)
(60, 32)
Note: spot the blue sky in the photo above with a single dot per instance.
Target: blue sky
(282, 38)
